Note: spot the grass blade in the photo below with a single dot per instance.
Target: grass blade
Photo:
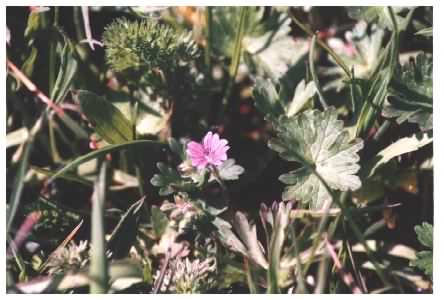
(100, 153)
(98, 269)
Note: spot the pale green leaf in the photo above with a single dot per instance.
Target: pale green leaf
(302, 94)
(401, 146)
(425, 234)
(228, 170)
(380, 14)
(319, 142)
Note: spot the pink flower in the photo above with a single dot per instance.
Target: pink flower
(212, 151)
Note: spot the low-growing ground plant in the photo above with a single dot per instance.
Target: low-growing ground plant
(219, 149)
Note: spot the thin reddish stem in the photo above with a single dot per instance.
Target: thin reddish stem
(346, 277)
(33, 88)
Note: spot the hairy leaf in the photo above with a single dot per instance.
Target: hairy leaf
(318, 141)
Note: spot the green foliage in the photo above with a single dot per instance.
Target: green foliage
(381, 15)
(411, 93)
(268, 50)
(424, 259)
(205, 230)
(318, 141)
(170, 181)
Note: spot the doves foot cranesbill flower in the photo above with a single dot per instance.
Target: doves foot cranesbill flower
(212, 151)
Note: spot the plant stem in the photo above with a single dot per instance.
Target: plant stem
(219, 180)
(209, 28)
(314, 76)
(357, 232)
(330, 51)
(235, 59)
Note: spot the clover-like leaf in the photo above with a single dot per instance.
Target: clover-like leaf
(318, 141)
(228, 170)
(411, 93)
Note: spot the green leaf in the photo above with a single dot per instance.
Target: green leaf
(424, 261)
(248, 236)
(425, 234)
(401, 146)
(267, 99)
(100, 153)
(228, 170)
(411, 93)
(280, 222)
(318, 141)
(380, 14)
(269, 49)
(427, 32)
(99, 262)
(19, 182)
(67, 70)
(159, 221)
(178, 148)
(169, 181)
(125, 232)
(302, 94)
(109, 122)
(275, 51)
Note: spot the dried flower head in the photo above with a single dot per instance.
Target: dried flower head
(211, 151)
(72, 257)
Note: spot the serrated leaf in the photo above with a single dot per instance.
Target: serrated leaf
(380, 14)
(169, 181)
(275, 51)
(318, 141)
(411, 93)
(109, 122)
(228, 170)
(425, 234)
(269, 49)
(424, 261)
